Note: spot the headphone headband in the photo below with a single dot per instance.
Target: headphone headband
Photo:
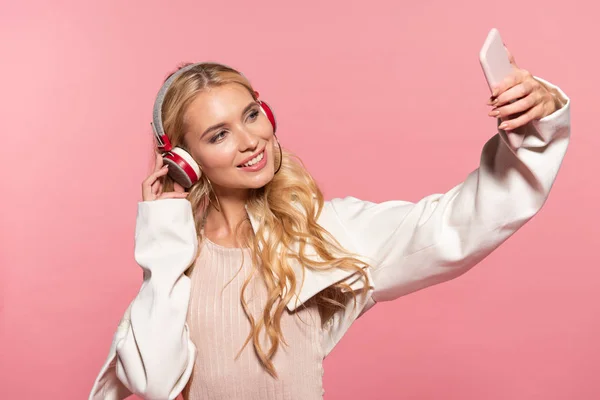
(163, 142)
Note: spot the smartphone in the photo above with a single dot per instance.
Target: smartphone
(494, 59)
(496, 66)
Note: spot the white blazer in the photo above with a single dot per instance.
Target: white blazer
(409, 246)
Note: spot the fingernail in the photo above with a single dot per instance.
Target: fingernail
(503, 125)
(494, 113)
(166, 166)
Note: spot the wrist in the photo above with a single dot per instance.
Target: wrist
(558, 100)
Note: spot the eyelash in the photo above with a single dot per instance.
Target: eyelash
(216, 138)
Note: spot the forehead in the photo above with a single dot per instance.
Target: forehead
(217, 105)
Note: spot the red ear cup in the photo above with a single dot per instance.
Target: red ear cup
(182, 167)
(269, 113)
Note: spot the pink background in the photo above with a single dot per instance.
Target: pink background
(382, 100)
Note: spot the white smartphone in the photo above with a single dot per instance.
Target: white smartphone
(494, 59)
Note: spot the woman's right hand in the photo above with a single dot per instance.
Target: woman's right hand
(152, 188)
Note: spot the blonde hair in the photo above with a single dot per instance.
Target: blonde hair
(288, 208)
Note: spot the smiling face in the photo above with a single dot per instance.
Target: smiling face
(231, 139)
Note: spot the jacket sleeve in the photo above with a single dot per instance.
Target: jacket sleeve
(151, 353)
(411, 246)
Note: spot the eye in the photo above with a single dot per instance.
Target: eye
(218, 137)
(253, 115)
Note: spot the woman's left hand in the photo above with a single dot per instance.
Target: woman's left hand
(531, 100)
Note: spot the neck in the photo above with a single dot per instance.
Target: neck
(225, 216)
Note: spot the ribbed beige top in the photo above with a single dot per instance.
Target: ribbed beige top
(219, 327)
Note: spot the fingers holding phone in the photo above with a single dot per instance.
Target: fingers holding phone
(520, 99)
(517, 97)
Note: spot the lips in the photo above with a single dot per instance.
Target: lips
(250, 158)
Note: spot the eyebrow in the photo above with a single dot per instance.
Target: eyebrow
(222, 124)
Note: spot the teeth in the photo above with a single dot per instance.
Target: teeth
(254, 160)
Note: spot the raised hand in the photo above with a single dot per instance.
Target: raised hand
(520, 99)
(152, 186)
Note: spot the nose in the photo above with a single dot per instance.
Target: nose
(248, 140)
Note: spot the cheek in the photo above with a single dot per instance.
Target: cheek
(217, 156)
(273, 152)
(267, 130)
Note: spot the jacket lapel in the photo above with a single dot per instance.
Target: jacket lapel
(311, 281)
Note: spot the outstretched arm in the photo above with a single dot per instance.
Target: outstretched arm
(415, 245)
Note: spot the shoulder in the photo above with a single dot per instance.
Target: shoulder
(335, 215)
(349, 208)
(345, 204)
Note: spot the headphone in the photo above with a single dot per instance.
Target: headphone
(183, 169)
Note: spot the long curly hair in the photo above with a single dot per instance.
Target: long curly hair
(288, 208)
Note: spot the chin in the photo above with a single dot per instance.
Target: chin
(262, 179)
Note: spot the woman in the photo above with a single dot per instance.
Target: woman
(250, 278)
